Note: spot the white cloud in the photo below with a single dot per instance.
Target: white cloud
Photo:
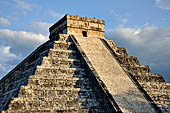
(150, 44)
(4, 21)
(5, 51)
(123, 20)
(54, 14)
(24, 5)
(6, 59)
(40, 27)
(163, 4)
(15, 18)
(21, 42)
(15, 45)
(6, 55)
(146, 24)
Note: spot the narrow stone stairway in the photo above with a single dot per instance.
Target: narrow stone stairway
(123, 89)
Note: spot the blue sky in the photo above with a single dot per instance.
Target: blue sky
(141, 26)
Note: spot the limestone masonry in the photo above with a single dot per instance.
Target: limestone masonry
(78, 70)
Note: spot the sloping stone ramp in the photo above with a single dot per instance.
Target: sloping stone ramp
(126, 94)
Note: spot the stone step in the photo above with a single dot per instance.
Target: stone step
(48, 111)
(149, 78)
(35, 63)
(93, 101)
(63, 37)
(55, 82)
(121, 51)
(3, 105)
(112, 44)
(138, 69)
(157, 91)
(160, 99)
(45, 52)
(20, 80)
(17, 77)
(47, 94)
(56, 79)
(56, 90)
(34, 105)
(164, 108)
(9, 94)
(128, 60)
(49, 83)
(63, 45)
(9, 82)
(61, 53)
(16, 84)
(27, 92)
(61, 62)
(17, 80)
(61, 76)
(62, 111)
(49, 103)
(63, 85)
(38, 96)
(50, 96)
(6, 97)
(156, 86)
(42, 103)
(41, 70)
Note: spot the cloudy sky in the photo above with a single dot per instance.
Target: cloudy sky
(141, 26)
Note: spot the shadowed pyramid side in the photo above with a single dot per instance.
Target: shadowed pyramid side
(59, 82)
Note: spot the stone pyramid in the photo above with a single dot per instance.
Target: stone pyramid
(78, 70)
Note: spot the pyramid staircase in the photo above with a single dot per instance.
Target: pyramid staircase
(54, 78)
(153, 84)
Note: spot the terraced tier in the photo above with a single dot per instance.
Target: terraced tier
(153, 84)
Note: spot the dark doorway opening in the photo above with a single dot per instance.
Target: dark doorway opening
(84, 33)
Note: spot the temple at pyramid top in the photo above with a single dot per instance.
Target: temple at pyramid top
(77, 25)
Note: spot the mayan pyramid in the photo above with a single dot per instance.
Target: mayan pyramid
(78, 70)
